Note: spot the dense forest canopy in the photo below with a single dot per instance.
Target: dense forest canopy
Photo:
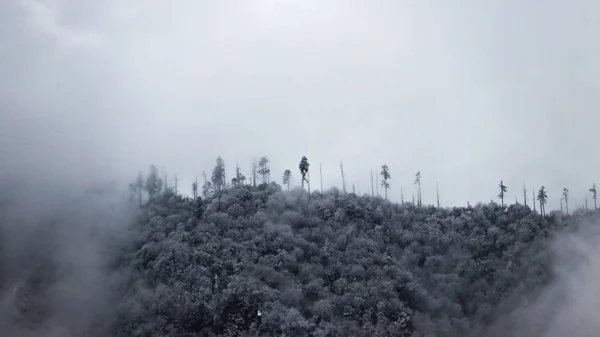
(251, 257)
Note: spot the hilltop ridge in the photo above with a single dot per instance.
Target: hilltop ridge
(262, 261)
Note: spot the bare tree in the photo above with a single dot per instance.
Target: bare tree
(372, 187)
(321, 175)
(343, 178)
(594, 195)
(502, 191)
(565, 196)
(176, 181)
(195, 189)
(437, 191)
(254, 174)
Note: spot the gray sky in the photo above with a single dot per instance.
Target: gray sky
(467, 92)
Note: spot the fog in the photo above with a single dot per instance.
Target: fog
(468, 93)
(567, 307)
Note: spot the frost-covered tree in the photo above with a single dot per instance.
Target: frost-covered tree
(565, 196)
(385, 175)
(418, 184)
(304, 166)
(153, 182)
(502, 192)
(218, 174)
(542, 197)
(287, 177)
(264, 170)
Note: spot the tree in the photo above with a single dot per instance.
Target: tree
(304, 166)
(206, 186)
(565, 195)
(525, 194)
(287, 177)
(139, 184)
(372, 187)
(533, 200)
(176, 181)
(239, 177)
(502, 191)
(321, 176)
(437, 192)
(218, 175)
(594, 195)
(385, 174)
(254, 166)
(343, 178)
(195, 189)
(542, 197)
(264, 170)
(418, 183)
(153, 183)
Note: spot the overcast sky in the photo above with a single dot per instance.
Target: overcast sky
(467, 92)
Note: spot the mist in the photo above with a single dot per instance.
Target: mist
(91, 94)
(567, 306)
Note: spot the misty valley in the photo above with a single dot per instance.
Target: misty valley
(253, 257)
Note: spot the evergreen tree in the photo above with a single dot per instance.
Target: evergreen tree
(153, 183)
(218, 175)
(542, 197)
(287, 177)
(385, 174)
(304, 166)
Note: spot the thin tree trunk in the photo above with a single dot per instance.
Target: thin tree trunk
(377, 185)
(561, 204)
(343, 178)
(321, 176)
(437, 190)
(372, 187)
(401, 196)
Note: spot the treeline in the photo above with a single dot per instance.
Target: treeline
(260, 169)
(263, 261)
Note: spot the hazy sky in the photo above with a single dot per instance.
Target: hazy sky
(467, 92)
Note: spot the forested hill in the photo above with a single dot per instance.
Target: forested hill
(265, 262)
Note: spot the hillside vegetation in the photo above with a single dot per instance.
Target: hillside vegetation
(259, 261)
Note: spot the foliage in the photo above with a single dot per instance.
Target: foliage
(260, 261)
